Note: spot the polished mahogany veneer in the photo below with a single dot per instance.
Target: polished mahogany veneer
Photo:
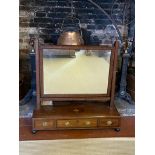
(75, 110)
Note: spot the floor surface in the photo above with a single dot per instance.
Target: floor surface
(95, 146)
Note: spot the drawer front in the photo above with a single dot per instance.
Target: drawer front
(44, 124)
(79, 123)
(108, 122)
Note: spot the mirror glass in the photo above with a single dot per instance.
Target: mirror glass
(75, 72)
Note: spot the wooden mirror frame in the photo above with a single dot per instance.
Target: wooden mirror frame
(75, 97)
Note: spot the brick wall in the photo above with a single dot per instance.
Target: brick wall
(46, 16)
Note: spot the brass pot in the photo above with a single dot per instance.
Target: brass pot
(70, 36)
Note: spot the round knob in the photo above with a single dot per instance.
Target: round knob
(67, 123)
(88, 123)
(76, 110)
(109, 122)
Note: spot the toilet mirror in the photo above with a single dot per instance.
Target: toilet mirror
(66, 72)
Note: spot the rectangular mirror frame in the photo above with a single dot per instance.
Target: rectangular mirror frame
(75, 97)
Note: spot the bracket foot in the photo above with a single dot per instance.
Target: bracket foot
(34, 131)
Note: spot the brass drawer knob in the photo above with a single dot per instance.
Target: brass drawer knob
(87, 122)
(76, 110)
(67, 123)
(109, 122)
(44, 123)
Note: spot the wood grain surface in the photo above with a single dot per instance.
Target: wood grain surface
(25, 131)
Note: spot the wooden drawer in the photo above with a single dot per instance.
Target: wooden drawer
(111, 122)
(43, 124)
(77, 123)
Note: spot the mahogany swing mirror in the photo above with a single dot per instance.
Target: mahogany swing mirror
(75, 73)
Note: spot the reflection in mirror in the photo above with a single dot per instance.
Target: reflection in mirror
(75, 72)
